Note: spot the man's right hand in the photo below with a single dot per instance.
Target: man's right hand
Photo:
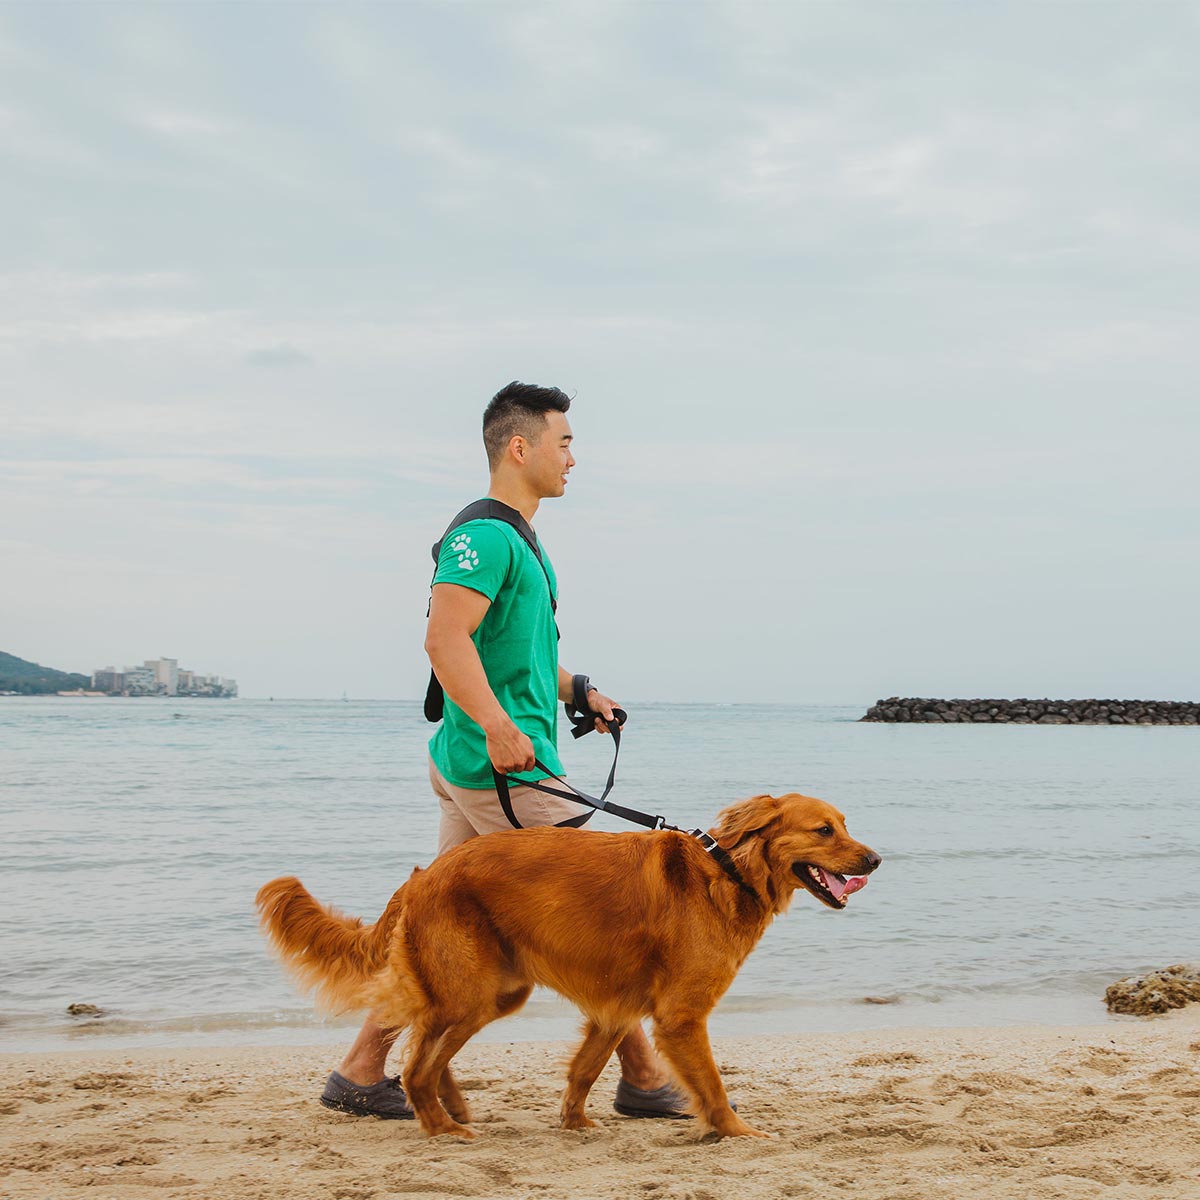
(509, 749)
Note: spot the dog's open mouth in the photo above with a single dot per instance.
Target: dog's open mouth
(828, 886)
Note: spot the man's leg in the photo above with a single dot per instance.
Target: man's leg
(359, 1085)
(365, 1063)
(365, 1060)
(645, 1089)
(640, 1065)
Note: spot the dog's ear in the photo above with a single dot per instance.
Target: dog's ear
(744, 818)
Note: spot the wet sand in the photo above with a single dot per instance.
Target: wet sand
(1110, 1111)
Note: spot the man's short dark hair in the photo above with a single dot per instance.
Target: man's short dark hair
(519, 409)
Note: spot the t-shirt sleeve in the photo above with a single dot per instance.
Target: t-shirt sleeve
(475, 555)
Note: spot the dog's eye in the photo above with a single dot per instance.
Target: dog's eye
(826, 831)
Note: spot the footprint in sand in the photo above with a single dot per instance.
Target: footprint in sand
(899, 1058)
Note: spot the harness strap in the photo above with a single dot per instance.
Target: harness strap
(721, 857)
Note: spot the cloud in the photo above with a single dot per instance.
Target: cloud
(282, 355)
(184, 126)
(32, 288)
(842, 272)
(132, 326)
(25, 136)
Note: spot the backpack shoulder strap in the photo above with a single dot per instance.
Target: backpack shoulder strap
(488, 509)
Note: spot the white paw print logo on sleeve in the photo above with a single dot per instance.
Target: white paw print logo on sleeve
(467, 558)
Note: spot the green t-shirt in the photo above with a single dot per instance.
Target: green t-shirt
(517, 643)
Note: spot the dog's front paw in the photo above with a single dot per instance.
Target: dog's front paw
(578, 1121)
(734, 1126)
(454, 1129)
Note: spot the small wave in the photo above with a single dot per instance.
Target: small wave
(39, 1031)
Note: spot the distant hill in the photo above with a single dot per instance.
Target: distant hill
(32, 679)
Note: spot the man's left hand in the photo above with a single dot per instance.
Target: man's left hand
(604, 705)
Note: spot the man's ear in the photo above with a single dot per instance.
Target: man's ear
(744, 818)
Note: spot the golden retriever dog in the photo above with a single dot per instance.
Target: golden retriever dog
(625, 925)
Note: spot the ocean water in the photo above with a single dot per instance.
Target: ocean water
(1025, 867)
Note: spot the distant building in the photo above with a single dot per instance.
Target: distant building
(193, 684)
(140, 681)
(161, 677)
(166, 674)
(109, 680)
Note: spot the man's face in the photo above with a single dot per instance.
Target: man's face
(548, 458)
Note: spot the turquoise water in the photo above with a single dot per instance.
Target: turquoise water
(1025, 866)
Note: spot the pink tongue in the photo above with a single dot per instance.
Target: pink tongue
(844, 887)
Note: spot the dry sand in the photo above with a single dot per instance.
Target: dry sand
(1106, 1111)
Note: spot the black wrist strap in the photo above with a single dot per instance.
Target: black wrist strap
(580, 686)
(579, 712)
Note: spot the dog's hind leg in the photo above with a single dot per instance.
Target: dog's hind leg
(447, 1087)
(597, 1048)
(453, 1101)
(427, 1074)
(683, 1042)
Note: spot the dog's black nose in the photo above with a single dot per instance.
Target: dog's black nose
(872, 860)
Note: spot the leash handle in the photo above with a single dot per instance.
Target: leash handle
(583, 720)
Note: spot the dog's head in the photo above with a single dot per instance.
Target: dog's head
(799, 842)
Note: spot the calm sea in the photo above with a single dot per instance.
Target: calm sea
(1026, 867)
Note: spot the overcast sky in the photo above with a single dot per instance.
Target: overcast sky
(881, 321)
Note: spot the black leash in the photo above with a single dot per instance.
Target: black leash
(583, 723)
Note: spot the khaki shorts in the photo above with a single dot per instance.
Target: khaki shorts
(471, 812)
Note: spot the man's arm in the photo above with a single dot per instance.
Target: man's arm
(454, 614)
(597, 702)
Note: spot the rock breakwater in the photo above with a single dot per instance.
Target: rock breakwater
(1035, 712)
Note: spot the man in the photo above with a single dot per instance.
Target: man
(493, 645)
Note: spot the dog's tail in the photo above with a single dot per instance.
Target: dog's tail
(326, 951)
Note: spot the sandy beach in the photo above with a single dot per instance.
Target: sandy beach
(1110, 1110)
